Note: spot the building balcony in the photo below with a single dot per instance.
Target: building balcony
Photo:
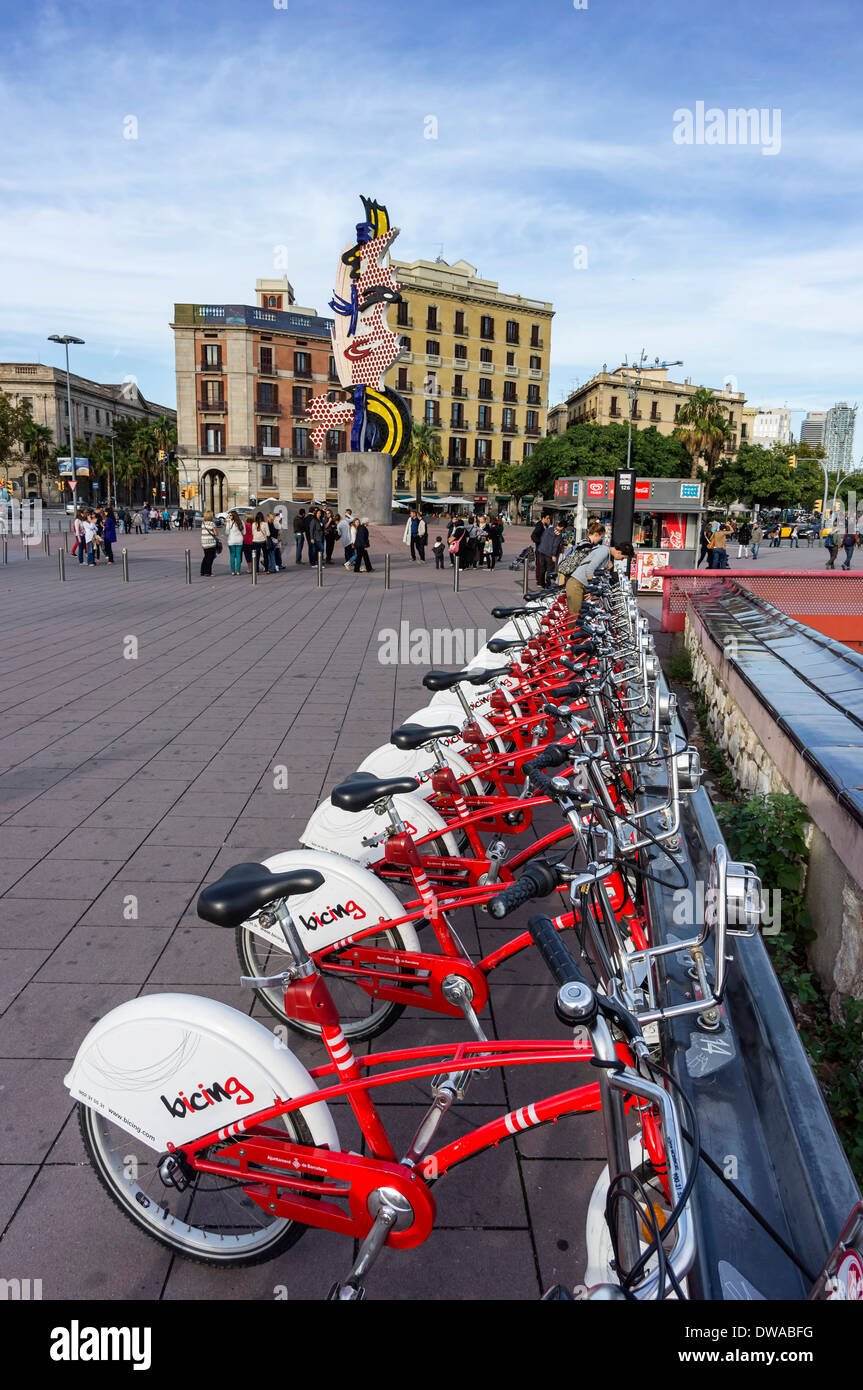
(485, 429)
(220, 406)
(510, 429)
(460, 391)
(532, 429)
(212, 368)
(460, 333)
(304, 375)
(405, 321)
(266, 371)
(270, 408)
(535, 372)
(614, 414)
(511, 371)
(434, 326)
(434, 358)
(406, 356)
(537, 343)
(459, 425)
(511, 399)
(406, 386)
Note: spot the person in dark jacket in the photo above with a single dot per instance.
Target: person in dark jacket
(361, 546)
(536, 536)
(109, 536)
(550, 547)
(299, 533)
(849, 541)
(316, 536)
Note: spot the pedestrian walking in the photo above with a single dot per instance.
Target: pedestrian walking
(744, 536)
(550, 546)
(438, 552)
(361, 546)
(315, 534)
(832, 544)
(795, 538)
(331, 535)
(247, 542)
(849, 541)
(414, 535)
(91, 531)
(210, 544)
(138, 522)
(757, 538)
(234, 529)
(704, 543)
(536, 536)
(343, 526)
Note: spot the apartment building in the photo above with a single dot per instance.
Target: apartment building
(771, 427)
(95, 409)
(244, 376)
(813, 427)
(604, 400)
(475, 365)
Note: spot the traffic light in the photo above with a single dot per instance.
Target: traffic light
(161, 455)
(792, 462)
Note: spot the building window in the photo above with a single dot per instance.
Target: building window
(484, 421)
(299, 396)
(301, 441)
(214, 439)
(211, 357)
(535, 339)
(730, 416)
(480, 482)
(302, 475)
(459, 322)
(402, 383)
(302, 364)
(458, 385)
(509, 391)
(508, 418)
(267, 479)
(274, 301)
(402, 320)
(485, 354)
(460, 352)
(482, 451)
(455, 482)
(511, 331)
(405, 342)
(431, 413)
(268, 436)
(506, 451)
(268, 395)
(528, 449)
(432, 347)
(510, 359)
(86, 412)
(334, 477)
(213, 393)
(486, 327)
(533, 395)
(331, 369)
(458, 416)
(535, 364)
(266, 360)
(532, 425)
(743, 431)
(485, 391)
(613, 410)
(401, 478)
(97, 416)
(432, 319)
(676, 411)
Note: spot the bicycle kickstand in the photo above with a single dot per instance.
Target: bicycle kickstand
(394, 1212)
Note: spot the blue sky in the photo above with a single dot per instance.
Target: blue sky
(259, 127)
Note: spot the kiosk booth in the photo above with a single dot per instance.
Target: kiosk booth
(665, 527)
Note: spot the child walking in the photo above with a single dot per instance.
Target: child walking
(438, 549)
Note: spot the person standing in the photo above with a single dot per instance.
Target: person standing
(275, 549)
(597, 560)
(331, 535)
(209, 541)
(344, 531)
(361, 546)
(260, 542)
(80, 542)
(832, 544)
(247, 542)
(550, 547)
(795, 538)
(744, 536)
(704, 543)
(536, 536)
(138, 522)
(234, 536)
(91, 531)
(316, 536)
(438, 549)
(299, 534)
(109, 535)
(849, 541)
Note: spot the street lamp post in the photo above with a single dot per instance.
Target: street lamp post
(66, 339)
(632, 389)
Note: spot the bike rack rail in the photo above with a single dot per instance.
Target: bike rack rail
(761, 1114)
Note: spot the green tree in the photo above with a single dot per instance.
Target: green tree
(423, 455)
(14, 420)
(766, 476)
(588, 450)
(518, 479)
(38, 442)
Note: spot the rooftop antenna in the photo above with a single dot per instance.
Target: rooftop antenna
(439, 257)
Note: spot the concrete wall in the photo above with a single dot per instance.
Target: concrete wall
(366, 486)
(763, 760)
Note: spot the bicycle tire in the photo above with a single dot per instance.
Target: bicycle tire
(121, 1179)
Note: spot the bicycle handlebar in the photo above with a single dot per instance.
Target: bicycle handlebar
(537, 881)
(555, 953)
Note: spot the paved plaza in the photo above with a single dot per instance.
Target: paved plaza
(141, 725)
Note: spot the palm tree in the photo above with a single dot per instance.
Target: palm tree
(165, 435)
(703, 429)
(38, 443)
(424, 454)
(146, 447)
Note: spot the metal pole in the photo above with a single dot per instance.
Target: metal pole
(320, 571)
(61, 558)
(26, 547)
(524, 585)
(66, 541)
(125, 565)
(46, 542)
(254, 566)
(188, 566)
(386, 571)
(69, 406)
(5, 551)
(455, 576)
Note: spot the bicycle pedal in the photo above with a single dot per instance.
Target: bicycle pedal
(345, 1293)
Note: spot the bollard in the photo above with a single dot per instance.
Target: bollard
(254, 566)
(5, 551)
(455, 576)
(524, 584)
(125, 565)
(66, 541)
(320, 571)
(386, 571)
(46, 542)
(188, 566)
(26, 548)
(61, 558)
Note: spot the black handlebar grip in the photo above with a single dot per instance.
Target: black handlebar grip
(550, 756)
(537, 881)
(573, 690)
(555, 954)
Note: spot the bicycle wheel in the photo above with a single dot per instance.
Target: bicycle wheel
(213, 1221)
(361, 1016)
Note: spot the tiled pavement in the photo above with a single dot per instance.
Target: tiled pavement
(149, 774)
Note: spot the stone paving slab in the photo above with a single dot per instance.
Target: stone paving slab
(138, 778)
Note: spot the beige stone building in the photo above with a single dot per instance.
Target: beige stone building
(95, 408)
(604, 401)
(476, 366)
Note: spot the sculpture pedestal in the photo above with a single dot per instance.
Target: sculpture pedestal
(366, 486)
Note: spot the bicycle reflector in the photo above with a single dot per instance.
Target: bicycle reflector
(742, 899)
(688, 771)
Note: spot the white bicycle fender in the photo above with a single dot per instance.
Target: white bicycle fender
(330, 829)
(171, 1067)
